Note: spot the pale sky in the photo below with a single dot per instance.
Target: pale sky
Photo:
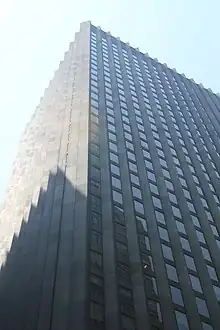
(34, 34)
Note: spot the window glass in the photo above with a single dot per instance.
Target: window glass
(107, 74)
(124, 112)
(127, 127)
(139, 207)
(195, 283)
(181, 321)
(114, 157)
(217, 292)
(170, 142)
(127, 323)
(176, 212)
(167, 252)
(113, 147)
(163, 162)
(211, 187)
(190, 262)
(111, 127)
(135, 105)
(209, 216)
(206, 254)
(160, 217)
(202, 308)
(200, 236)
(195, 178)
(110, 104)
(214, 230)
(143, 223)
(108, 85)
(139, 120)
(96, 242)
(116, 182)
(176, 296)
(133, 167)
(96, 221)
(95, 173)
(145, 145)
(218, 243)
(163, 234)
(129, 145)
(111, 120)
(108, 97)
(94, 83)
(195, 221)
(157, 202)
(185, 244)
(115, 169)
(131, 155)
(171, 272)
(94, 148)
(183, 182)
(154, 309)
(93, 71)
(186, 194)
(141, 127)
(166, 173)
(95, 160)
(96, 262)
(135, 179)
(143, 136)
(117, 197)
(107, 79)
(128, 136)
(95, 187)
(138, 113)
(191, 207)
(172, 197)
(136, 192)
(206, 326)
(125, 119)
(180, 227)
(173, 151)
(95, 112)
(179, 171)
(151, 176)
(169, 185)
(94, 89)
(204, 202)
(156, 135)
(110, 111)
(96, 311)
(176, 161)
(212, 273)
(152, 120)
(94, 103)
(148, 164)
(154, 188)
(160, 153)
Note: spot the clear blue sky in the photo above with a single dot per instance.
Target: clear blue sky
(35, 34)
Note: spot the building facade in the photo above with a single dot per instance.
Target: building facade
(121, 162)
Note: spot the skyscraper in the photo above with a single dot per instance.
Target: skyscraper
(112, 215)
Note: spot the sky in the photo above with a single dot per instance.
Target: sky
(35, 34)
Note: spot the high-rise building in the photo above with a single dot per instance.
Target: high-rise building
(112, 216)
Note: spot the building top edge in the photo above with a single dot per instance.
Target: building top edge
(155, 59)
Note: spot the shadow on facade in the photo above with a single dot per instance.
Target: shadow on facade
(40, 257)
